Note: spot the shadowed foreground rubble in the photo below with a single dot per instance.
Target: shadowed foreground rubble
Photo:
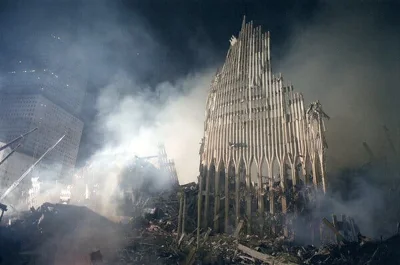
(65, 234)
(57, 234)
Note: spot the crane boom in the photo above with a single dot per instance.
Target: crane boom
(16, 183)
(17, 139)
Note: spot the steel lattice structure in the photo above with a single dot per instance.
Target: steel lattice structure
(255, 121)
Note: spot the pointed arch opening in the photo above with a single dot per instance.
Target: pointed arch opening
(202, 177)
(201, 194)
(318, 171)
(231, 218)
(211, 194)
(309, 171)
(254, 178)
(290, 179)
(276, 177)
(288, 171)
(265, 176)
(219, 212)
(242, 172)
(212, 175)
(254, 173)
(221, 180)
(232, 176)
(276, 186)
(298, 167)
(242, 188)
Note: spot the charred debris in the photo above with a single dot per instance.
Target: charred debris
(164, 231)
(262, 175)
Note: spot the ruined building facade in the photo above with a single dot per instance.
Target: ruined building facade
(260, 142)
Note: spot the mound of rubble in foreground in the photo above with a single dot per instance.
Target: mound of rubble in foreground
(65, 234)
(58, 234)
(155, 245)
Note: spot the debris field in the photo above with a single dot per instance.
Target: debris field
(68, 234)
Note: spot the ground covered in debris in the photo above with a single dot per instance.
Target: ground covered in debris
(58, 234)
(66, 234)
(156, 245)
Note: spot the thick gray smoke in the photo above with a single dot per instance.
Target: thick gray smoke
(113, 54)
(38, 187)
(366, 206)
(348, 58)
(133, 125)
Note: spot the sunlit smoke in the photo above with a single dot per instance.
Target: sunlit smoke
(134, 125)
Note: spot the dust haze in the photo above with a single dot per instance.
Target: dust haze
(113, 55)
(135, 124)
(349, 59)
(346, 58)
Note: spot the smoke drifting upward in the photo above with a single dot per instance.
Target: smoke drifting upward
(111, 51)
(136, 124)
(133, 124)
(348, 58)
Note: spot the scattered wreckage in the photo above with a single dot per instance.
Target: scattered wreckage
(164, 231)
(57, 234)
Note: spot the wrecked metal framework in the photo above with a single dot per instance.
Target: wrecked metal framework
(167, 165)
(256, 130)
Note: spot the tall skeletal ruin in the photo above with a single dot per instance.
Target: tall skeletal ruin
(259, 140)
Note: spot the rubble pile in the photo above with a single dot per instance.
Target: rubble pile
(66, 234)
(160, 208)
(223, 249)
(57, 232)
(154, 240)
(365, 251)
(150, 244)
(151, 236)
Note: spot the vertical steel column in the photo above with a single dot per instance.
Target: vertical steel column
(226, 224)
(217, 199)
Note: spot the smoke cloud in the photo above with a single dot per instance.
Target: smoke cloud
(347, 58)
(134, 125)
(116, 58)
